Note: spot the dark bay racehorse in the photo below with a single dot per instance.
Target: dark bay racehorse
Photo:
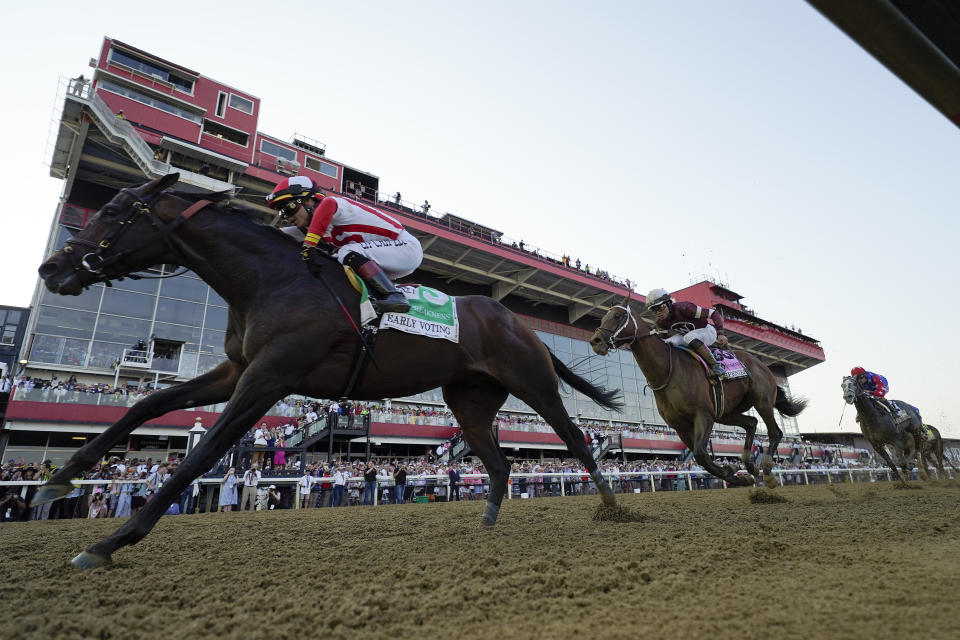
(685, 399)
(932, 446)
(880, 429)
(287, 334)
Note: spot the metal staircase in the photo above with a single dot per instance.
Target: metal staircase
(82, 101)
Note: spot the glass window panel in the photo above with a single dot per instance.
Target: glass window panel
(13, 317)
(104, 354)
(74, 353)
(561, 344)
(89, 300)
(581, 348)
(276, 150)
(147, 285)
(212, 342)
(122, 330)
(547, 338)
(216, 299)
(613, 367)
(179, 312)
(45, 348)
(241, 104)
(65, 322)
(127, 303)
(216, 318)
(207, 362)
(184, 288)
(176, 332)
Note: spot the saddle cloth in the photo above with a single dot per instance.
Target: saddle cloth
(433, 314)
(732, 367)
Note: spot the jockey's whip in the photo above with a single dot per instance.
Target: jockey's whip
(343, 308)
(841, 412)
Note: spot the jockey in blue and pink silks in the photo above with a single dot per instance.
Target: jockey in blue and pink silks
(877, 386)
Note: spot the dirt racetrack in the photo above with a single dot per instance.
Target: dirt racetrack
(840, 561)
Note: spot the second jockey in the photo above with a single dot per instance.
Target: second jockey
(372, 243)
(687, 324)
(877, 386)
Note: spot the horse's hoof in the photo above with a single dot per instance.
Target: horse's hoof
(609, 500)
(88, 560)
(770, 481)
(486, 522)
(49, 493)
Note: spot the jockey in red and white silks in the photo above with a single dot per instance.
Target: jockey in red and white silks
(358, 228)
(372, 243)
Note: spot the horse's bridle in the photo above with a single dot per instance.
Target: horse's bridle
(614, 335)
(96, 260)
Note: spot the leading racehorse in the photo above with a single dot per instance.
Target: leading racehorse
(286, 333)
(880, 429)
(685, 399)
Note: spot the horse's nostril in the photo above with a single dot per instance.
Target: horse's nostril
(47, 269)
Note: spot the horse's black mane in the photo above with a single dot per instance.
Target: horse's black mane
(224, 202)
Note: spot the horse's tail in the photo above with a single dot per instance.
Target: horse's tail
(788, 407)
(608, 399)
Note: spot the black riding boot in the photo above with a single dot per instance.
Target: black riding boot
(716, 371)
(384, 296)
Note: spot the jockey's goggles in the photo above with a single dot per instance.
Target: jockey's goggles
(656, 307)
(290, 208)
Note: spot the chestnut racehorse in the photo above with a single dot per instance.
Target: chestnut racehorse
(685, 399)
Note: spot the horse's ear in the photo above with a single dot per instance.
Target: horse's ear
(626, 300)
(162, 183)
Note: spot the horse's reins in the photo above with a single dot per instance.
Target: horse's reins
(615, 335)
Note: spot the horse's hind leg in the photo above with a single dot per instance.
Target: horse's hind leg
(774, 434)
(749, 425)
(210, 388)
(547, 403)
(475, 406)
(702, 427)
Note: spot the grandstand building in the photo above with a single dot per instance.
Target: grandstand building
(139, 117)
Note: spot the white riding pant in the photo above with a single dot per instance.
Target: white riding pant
(707, 335)
(397, 258)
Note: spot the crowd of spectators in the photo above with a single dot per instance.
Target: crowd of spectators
(126, 485)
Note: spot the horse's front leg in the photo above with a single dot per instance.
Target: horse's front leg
(256, 392)
(212, 387)
(882, 452)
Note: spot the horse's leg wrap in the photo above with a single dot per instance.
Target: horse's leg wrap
(606, 493)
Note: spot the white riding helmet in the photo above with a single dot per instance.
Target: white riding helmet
(657, 296)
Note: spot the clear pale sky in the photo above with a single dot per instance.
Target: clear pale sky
(749, 140)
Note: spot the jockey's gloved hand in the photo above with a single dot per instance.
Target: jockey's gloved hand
(310, 255)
